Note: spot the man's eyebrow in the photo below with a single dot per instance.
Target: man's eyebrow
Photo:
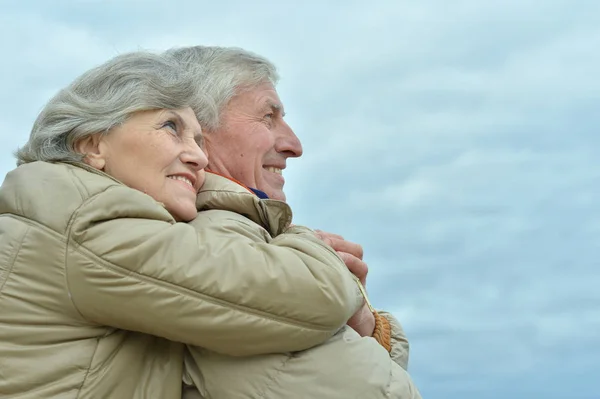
(276, 107)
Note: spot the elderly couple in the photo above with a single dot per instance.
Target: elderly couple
(131, 266)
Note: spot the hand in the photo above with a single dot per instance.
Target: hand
(363, 321)
(350, 252)
(339, 243)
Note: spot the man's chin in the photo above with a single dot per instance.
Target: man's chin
(275, 194)
(280, 197)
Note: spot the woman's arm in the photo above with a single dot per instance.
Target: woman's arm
(399, 343)
(130, 267)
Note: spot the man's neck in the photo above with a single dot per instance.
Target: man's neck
(259, 194)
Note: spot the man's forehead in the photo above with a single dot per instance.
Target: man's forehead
(266, 93)
(263, 97)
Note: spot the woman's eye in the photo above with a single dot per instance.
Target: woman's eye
(171, 125)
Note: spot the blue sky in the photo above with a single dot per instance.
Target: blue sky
(456, 141)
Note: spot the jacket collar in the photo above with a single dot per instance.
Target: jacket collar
(91, 169)
(220, 192)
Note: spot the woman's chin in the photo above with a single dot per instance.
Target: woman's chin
(185, 215)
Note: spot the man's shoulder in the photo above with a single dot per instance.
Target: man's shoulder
(229, 222)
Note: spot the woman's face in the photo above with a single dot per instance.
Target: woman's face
(159, 153)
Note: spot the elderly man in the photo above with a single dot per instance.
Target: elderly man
(249, 142)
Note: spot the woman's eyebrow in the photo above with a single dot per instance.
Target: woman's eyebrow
(198, 135)
(176, 115)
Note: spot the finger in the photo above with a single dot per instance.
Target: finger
(356, 266)
(326, 234)
(327, 241)
(347, 246)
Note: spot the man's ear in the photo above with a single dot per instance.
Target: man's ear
(93, 151)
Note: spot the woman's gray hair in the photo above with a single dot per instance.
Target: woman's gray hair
(104, 97)
(221, 73)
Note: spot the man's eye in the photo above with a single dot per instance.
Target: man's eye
(269, 116)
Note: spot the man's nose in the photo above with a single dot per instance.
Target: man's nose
(288, 143)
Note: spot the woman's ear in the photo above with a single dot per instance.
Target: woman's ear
(92, 150)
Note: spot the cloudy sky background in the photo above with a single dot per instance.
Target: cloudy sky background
(456, 141)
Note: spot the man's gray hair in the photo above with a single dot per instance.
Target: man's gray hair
(221, 73)
(104, 97)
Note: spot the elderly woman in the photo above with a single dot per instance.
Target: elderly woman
(249, 143)
(101, 284)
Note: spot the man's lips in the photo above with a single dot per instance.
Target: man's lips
(273, 169)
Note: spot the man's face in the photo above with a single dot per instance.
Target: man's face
(253, 141)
